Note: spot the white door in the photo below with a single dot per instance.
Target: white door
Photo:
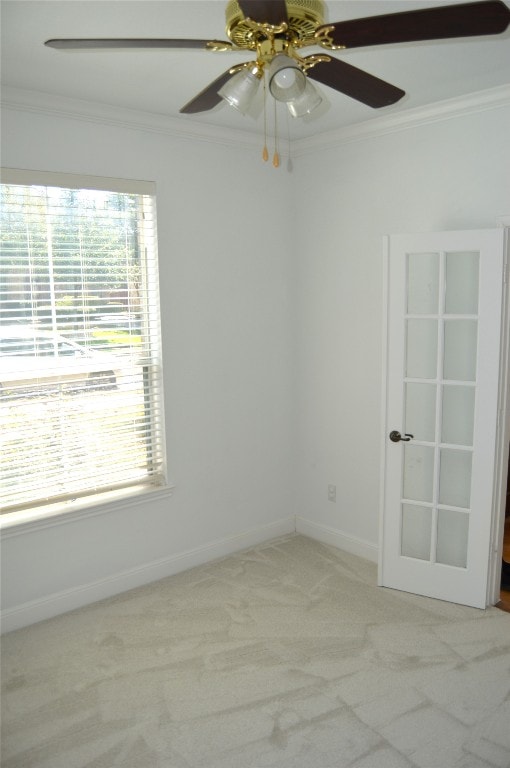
(444, 308)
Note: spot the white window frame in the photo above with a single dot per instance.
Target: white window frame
(101, 501)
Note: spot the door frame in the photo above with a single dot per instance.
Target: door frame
(502, 433)
(502, 439)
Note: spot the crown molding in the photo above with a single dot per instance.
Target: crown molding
(181, 128)
(480, 101)
(94, 112)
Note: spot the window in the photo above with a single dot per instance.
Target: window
(80, 353)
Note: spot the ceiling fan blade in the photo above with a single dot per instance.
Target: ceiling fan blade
(76, 44)
(209, 97)
(268, 11)
(355, 83)
(487, 17)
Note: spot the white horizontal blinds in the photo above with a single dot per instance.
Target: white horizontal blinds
(80, 358)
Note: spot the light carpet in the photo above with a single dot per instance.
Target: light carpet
(286, 655)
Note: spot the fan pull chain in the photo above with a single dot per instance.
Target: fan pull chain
(276, 156)
(265, 153)
(289, 160)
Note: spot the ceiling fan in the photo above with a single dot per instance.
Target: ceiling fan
(276, 31)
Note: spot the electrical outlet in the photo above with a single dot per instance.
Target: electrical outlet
(331, 492)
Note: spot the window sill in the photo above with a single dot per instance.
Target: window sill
(36, 518)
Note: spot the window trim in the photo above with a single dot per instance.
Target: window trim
(110, 499)
(50, 515)
(75, 181)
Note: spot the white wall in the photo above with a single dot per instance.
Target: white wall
(226, 317)
(271, 330)
(451, 174)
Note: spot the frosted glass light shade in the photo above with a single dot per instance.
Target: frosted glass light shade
(240, 90)
(306, 102)
(286, 80)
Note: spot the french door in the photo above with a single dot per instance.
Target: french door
(444, 309)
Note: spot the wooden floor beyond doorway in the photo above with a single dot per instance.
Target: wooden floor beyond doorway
(504, 602)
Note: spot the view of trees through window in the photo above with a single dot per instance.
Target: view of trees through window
(70, 258)
(79, 343)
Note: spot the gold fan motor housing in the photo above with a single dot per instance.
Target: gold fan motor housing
(304, 16)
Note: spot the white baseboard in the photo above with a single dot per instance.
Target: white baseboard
(337, 539)
(68, 600)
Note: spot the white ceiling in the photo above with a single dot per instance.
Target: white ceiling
(162, 81)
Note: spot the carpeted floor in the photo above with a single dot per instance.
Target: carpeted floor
(286, 655)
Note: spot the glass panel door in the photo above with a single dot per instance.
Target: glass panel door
(444, 307)
(441, 347)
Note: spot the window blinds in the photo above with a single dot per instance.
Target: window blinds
(80, 353)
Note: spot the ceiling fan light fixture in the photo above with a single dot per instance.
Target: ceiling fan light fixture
(306, 103)
(241, 89)
(287, 81)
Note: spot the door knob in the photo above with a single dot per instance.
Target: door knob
(396, 437)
